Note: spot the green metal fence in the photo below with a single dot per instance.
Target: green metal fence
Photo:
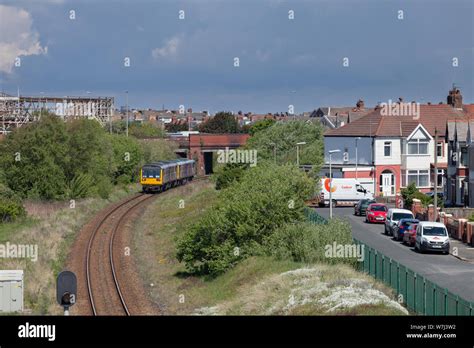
(314, 217)
(418, 293)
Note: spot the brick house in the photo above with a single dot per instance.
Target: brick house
(393, 151)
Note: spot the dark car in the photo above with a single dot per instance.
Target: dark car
(402, 227)
(361, 207)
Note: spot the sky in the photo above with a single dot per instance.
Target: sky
(289, 52)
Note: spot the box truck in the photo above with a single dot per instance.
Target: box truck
(345, 192)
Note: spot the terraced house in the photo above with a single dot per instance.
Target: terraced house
(388, 151)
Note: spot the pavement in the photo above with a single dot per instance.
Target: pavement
(456, 273)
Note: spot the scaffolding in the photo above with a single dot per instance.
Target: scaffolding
(18, 111)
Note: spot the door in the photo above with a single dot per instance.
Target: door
(388, 187)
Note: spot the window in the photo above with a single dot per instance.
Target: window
(419, 177)
(440, 178)
(439, 150)
(464, 156)
(387, 149)
(418, 147)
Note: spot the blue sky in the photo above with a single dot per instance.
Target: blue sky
(191, 61)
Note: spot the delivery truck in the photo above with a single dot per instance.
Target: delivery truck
(345, 192)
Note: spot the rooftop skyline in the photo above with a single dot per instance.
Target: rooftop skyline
(190, 61)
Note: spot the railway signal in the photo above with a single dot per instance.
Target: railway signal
(66, 290)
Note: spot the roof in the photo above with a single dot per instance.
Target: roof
(432, 117)
(431, 223)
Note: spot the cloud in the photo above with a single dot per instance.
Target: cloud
(169, 49)
(17, 38)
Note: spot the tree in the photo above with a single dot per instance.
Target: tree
(176, 127)
(145, 130)
(222, 122)
(282, 138)
(261, 125)
(33, 158)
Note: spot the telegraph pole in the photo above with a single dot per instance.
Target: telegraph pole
(436, 176)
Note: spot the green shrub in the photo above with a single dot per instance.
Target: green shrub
(307, 242)
(246, 215)
(229, 174)
(11, 209)
(80, 186)
(471, 218)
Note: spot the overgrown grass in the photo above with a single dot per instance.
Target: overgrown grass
(54, 234)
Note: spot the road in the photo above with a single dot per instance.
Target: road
(445, 270)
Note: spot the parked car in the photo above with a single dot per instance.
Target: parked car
(344, 192)
(393, 216)
(402, 226)
(361, 207)
(432, 236)
(431, 194)
(409, 236)
(376, 212)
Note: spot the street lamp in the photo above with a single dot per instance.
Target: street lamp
(41, 102)
(330, 180)
(298, 152)
(274, 151)
(357, 157)
(126, 123)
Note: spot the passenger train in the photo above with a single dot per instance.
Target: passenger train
(160, 176)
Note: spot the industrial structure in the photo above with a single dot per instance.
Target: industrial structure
(16, 111)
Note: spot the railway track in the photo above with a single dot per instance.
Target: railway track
(105, 286)
(123, 210)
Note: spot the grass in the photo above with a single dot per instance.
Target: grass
(257, 285)
(53, 228)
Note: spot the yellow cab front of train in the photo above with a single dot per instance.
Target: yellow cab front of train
(151, 177)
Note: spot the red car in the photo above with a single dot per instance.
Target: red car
(409, 237)
(376, 212)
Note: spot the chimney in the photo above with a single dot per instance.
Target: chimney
(455, 98)
(360, 104)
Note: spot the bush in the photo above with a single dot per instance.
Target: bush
(11, 209)
(80, 186)
(158, 150)
(306, 242)
(53, 159)
(145, 130)
(229, 174)
(246, 215)
(411, 192)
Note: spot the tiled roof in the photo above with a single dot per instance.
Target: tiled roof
(374, 124)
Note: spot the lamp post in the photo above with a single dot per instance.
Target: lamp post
(357, 155)
(274, 152)
(298, 152)
(126, 123)
(330, 180)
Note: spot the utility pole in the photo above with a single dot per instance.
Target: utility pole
(126, 124)
(330, 180)
(436, 176)
(357, 155)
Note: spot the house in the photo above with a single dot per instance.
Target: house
(387, 151)
(335, 117)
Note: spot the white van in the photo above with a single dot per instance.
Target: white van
(393, 217)
(432, 236)
(344, 192)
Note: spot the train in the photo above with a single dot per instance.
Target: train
(160, 176)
